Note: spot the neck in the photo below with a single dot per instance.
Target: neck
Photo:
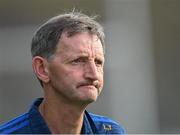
(62, 118)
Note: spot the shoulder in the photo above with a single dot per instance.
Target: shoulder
(15, 126)
(106, 125)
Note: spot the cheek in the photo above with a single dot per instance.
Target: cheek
(70, 76)
(101, 75)
(102, 80)
(59, 75)
(63, 80)
(101, 72)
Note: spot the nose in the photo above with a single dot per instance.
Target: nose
(91, 71)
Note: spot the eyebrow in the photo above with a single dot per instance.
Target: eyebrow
(87, 55)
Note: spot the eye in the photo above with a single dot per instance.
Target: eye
(79, 60)
(98, 62)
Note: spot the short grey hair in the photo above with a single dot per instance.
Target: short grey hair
(45, 39)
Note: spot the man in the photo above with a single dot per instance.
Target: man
(68, 59)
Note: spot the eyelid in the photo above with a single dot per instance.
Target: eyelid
(80, 59)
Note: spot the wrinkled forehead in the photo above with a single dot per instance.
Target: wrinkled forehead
(94, 38)
(80, 42)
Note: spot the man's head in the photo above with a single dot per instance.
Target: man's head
(68, 56)
(44, 42)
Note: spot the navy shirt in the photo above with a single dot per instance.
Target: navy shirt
(33, 123)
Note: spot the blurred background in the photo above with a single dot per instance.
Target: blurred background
(142, 71)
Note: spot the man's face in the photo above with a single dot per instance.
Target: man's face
(76, 68)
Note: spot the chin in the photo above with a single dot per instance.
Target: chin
(90, 99)
(88, 96)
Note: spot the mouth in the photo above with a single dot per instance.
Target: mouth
(88, 86)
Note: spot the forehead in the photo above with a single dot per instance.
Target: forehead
(80, 42)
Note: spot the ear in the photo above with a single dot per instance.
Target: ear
(40, 68)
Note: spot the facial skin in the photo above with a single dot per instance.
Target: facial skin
(75, 71)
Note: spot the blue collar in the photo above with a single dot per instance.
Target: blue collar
(39, 126)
